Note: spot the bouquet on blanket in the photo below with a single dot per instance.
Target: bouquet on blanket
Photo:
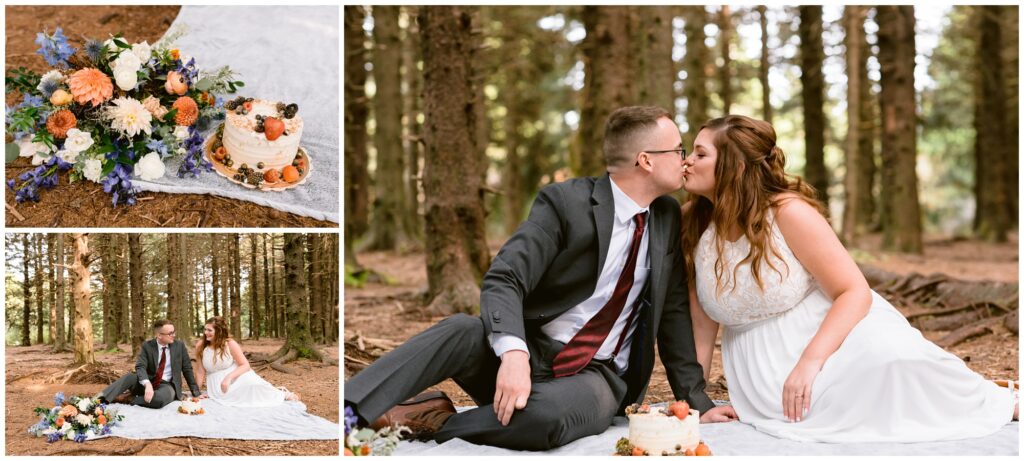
(367, 442)
(191, 407)
(110, 113)
(74, 418)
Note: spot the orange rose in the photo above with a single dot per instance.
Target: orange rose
(102, 420)
(99, 411)
(175, 54)
(60, 421)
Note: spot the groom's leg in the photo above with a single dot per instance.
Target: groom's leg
(558, 411)
(161, 397)
(118, 387)
(454, 347)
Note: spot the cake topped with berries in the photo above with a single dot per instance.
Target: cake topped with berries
(259, 143)
(191, 407)
(673, 430)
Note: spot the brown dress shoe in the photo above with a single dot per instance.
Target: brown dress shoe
(125, 398)
(423, 414)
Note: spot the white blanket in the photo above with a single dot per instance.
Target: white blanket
(289, 421)
(284, 53)
(736, 438)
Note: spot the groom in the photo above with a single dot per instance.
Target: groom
(157, 378)
(570, 311)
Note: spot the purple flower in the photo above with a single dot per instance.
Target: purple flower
(54, 48)
(44, 176)
(193, 163)
(350, 420)
(53, 437)
(58, 399)
(118, 183)
(80, 437)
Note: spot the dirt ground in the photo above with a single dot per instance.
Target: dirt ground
(388, 314)
(27, 368)
(63, 205)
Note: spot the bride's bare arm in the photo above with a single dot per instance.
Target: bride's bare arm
(705, 331)
(240, 360)
(200, 370)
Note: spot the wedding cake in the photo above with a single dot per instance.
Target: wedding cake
(259, 142)
(674, 430)
(191, 407)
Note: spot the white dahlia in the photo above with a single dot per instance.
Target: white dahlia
(129, 117)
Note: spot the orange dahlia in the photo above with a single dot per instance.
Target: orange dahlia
(188, 111)
(60, 122)
(68, 410)
(90, 85)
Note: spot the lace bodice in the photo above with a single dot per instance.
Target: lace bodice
(746, 303)
(222, 362)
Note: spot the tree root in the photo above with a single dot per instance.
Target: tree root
(96, 373)
(125, 452)
(967, 332)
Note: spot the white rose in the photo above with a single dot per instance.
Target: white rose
(78, 140)
(150, 167)
(69, 156)
(93, 170)
(142, 51)
(109, 45)
(125, 78)
(83, 405)
(181, 132)
(70, 435)
(126, 61)
(27, 148)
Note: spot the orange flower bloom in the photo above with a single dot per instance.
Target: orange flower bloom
(60, 421)
(90, 85)
(102, 420)
(188, 111)
(175, 54)
(68, 410)
(60, 122)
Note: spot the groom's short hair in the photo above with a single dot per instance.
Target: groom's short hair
(160, 323)
(625, 131)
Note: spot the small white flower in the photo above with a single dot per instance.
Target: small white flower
(126, 61)
(125, 78)
(129, 117)
(78, 140)
(70, 434)
(53, 76)
(83, 419)
(27, 148)
(93, 170)
(181, 151)
(69, 156)
(83, 405)
(181, 132)
(150, 167)
(142, 51)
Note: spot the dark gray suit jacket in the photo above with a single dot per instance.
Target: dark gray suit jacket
(552, 262)
(181, 363)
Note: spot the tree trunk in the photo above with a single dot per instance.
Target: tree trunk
(725, 72)
(1010, 38)
(356, 110)
(316, 307)
(608, 82)
(235, 282)
(762, 70)
(173, 281)
(60, 337)
(215, 272)
(138, 289)
(812, 80)
(81, 292)
(52, 283)
(696, 63)
(40, 295)
(654, 36)
(106, 273)
(267, 309)
(859, 210)
(274, 297)
(412, 108)
(26, 295)
(902, 228)
(992, 220)
(457, 253)
(254, 285)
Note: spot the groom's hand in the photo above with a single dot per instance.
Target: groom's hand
(512, 387)
(149, 393)
(722, 414)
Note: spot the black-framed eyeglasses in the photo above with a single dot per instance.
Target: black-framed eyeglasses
(680, 151)
(173, 333)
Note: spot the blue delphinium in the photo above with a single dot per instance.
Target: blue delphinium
(44, 176)
(58, 399)
(54, 48)
(158, 146)
(53, 437)
(30, 100)
(93, 49)
(189, 71)
(119, 184)
(350, 420)
(80, 437)
(193, 163)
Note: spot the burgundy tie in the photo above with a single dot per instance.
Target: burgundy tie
(160, 368)
(578, 352)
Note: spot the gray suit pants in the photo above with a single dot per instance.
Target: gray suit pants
(558, 411)
(161, 395)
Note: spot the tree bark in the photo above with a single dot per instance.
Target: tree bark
(267, 309)
(173, 281)
(254, 284)
(235, 281)
(102, 241)
(356, 157)
(26, 295)
(607, 85)
(81, 292)
(412, 108)
(52, 283)
(902, 226)
(40, 295)
(858, 185)
(762, 70)
(457, 253)
(725, 72)
(696, 63)
(138, 289)
(812, 80)
(1010, 35)
(298, 342)
(215, 272)
(654, 35)
(992, 218)
(60, 337)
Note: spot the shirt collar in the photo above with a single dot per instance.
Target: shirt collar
(625, 207)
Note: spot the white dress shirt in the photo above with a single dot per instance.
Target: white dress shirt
(566, 325)
(160, 351)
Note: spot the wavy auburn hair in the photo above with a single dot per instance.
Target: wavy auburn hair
(750, 179)
(220, 339)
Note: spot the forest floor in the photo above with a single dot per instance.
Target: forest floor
(27, 368)
(61, 207)
(383, 315)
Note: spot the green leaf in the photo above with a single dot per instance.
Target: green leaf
(11, 152)
(107, 168)
(121, 43)
(204, 84)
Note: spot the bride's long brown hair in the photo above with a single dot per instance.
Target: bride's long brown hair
(750, 175)
(220, 339)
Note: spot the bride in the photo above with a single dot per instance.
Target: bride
(229, 379)
(810, 352)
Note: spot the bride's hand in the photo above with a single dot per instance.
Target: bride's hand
(796, 392)
(224, 385)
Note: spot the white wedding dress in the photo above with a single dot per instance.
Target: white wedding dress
(885, 383)
(249, 390)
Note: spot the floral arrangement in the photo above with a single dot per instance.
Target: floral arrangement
(75, 418)
(191, 407)
(111, 112)
(366, 442)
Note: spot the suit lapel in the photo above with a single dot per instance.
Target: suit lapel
(604, 212)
